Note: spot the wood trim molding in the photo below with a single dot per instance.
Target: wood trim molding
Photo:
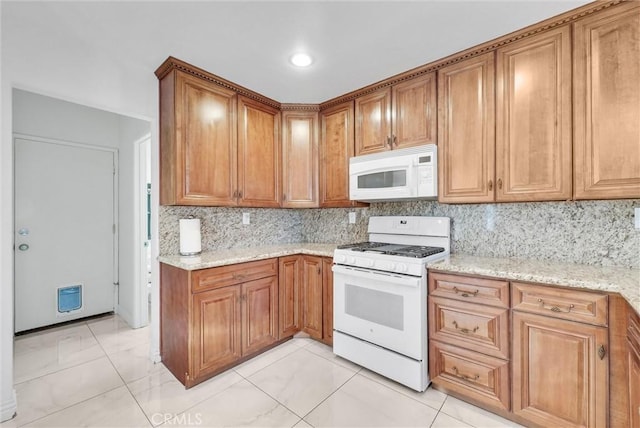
(299, 107)
(480, 49)
(172, 63)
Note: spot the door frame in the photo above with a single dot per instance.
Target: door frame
(114, 151)
(142, 168)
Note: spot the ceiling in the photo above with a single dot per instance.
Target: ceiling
(353, 43)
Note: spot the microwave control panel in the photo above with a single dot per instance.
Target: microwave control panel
(427, 178)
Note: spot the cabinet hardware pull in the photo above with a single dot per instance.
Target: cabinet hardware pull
(465, 330)
(388, 141)
(239, 194)
(490, 185)
(465, 293)
(395, 141)
(499, 183)
(238, 276)
(555, 308)
(284, 197)
(235, 193)
(464, 376)
(319, 271)
(601, 352)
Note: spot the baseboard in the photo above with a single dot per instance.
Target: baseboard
(126, 316)
(9, 407)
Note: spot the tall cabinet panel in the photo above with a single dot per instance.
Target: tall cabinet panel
(607, 104)
(312, 296)
(197, 142)
(533, 120)
(414, 112)
(258, 154)
(336, 147)
(373, 122)
(466, 130)
(299, 159)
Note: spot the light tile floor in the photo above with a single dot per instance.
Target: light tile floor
(98, 373)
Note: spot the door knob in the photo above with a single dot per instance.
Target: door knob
(23, 247)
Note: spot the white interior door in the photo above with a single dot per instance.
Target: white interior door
(64, 232)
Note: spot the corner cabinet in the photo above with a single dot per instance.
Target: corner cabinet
(198, 141)
(607, 104)
(258, 154)
(212, 319)
(397, 117)
(299, 159)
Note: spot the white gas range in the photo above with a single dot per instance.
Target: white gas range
(380, 296)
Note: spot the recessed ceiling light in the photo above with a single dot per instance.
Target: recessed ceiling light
(301, 60)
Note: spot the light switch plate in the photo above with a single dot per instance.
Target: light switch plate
(246, 218)
(352, 217)
(637, 217)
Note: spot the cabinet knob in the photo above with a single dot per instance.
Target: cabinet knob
(394, 142)
(602, 352)
(239, 194)
(388, 141)
(490, 185)
(235, 194)
(284, 197)
(499, 183)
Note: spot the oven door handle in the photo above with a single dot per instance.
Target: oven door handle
(408, 281)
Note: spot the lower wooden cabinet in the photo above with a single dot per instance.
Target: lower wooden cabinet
(560, 371)
(312, 296)
(290, 280)
(327, 301)
(633, 367)
(205, 332)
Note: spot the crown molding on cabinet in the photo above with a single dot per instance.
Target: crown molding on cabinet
(172, 63)
(299, 107)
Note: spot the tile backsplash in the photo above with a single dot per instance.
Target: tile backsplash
(587, 232)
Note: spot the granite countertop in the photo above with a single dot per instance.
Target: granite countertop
(604, 278)
(241, 255)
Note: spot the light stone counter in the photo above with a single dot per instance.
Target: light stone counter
(613, 279)
(241, 255)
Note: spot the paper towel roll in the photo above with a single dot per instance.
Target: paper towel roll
(190, 243)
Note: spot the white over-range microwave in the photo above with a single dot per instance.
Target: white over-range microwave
(410, 173)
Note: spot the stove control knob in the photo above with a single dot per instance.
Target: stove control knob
(392, 266)
(352, 260)
(341, 258)
(402, 267)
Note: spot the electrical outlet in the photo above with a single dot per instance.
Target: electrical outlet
(637, 217)
(352, 217)
(246, 218)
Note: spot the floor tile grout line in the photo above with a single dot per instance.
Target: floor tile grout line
(270, 364)
(329, 396)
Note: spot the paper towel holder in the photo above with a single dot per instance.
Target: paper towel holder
(190, 237)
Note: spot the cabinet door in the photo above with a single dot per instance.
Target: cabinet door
(336, 147)
(414, 112)
(466, 131)
(216, 329)
(559, 378)
(327, 301)
(204, 160)
(633, 360)
(289, 280)
(299, 159)
(607, 104)
(312, 296)
(373, 122)
(259, 314)
(258, 154)
(533, 120)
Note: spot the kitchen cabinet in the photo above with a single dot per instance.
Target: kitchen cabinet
(312, 296)
(327, 301)
(466, 130)
(290, 280)
(533, 118)
(560, 362)
(633, 361)
(469, 338)
(212, 319)
(258, 154)
(336, 147)
(198, 141)
(299, 159)
(606, 52)
(397, 117)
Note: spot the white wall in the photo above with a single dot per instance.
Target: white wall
(43, 60)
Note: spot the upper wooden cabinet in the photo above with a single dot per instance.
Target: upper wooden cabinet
(258, 154)
(533, 119)
(336, 147)
(607, 104)
(198, 142)
(299, 159)
(466, 130)
(397, 117)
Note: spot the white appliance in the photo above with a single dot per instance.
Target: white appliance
(395, 175)
(380, 296)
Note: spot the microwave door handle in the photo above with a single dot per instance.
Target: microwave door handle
(408, 281)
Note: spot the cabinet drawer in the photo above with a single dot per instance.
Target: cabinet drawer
(573, 305)
(481, 328)
(475, 376)
(208, 279)
(476, 290)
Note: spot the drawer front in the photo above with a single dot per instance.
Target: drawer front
(573, 305)
(470, 374)
(475, 290)
(481, 328)
(208, 279)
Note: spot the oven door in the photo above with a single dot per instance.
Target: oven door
(386, 309)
